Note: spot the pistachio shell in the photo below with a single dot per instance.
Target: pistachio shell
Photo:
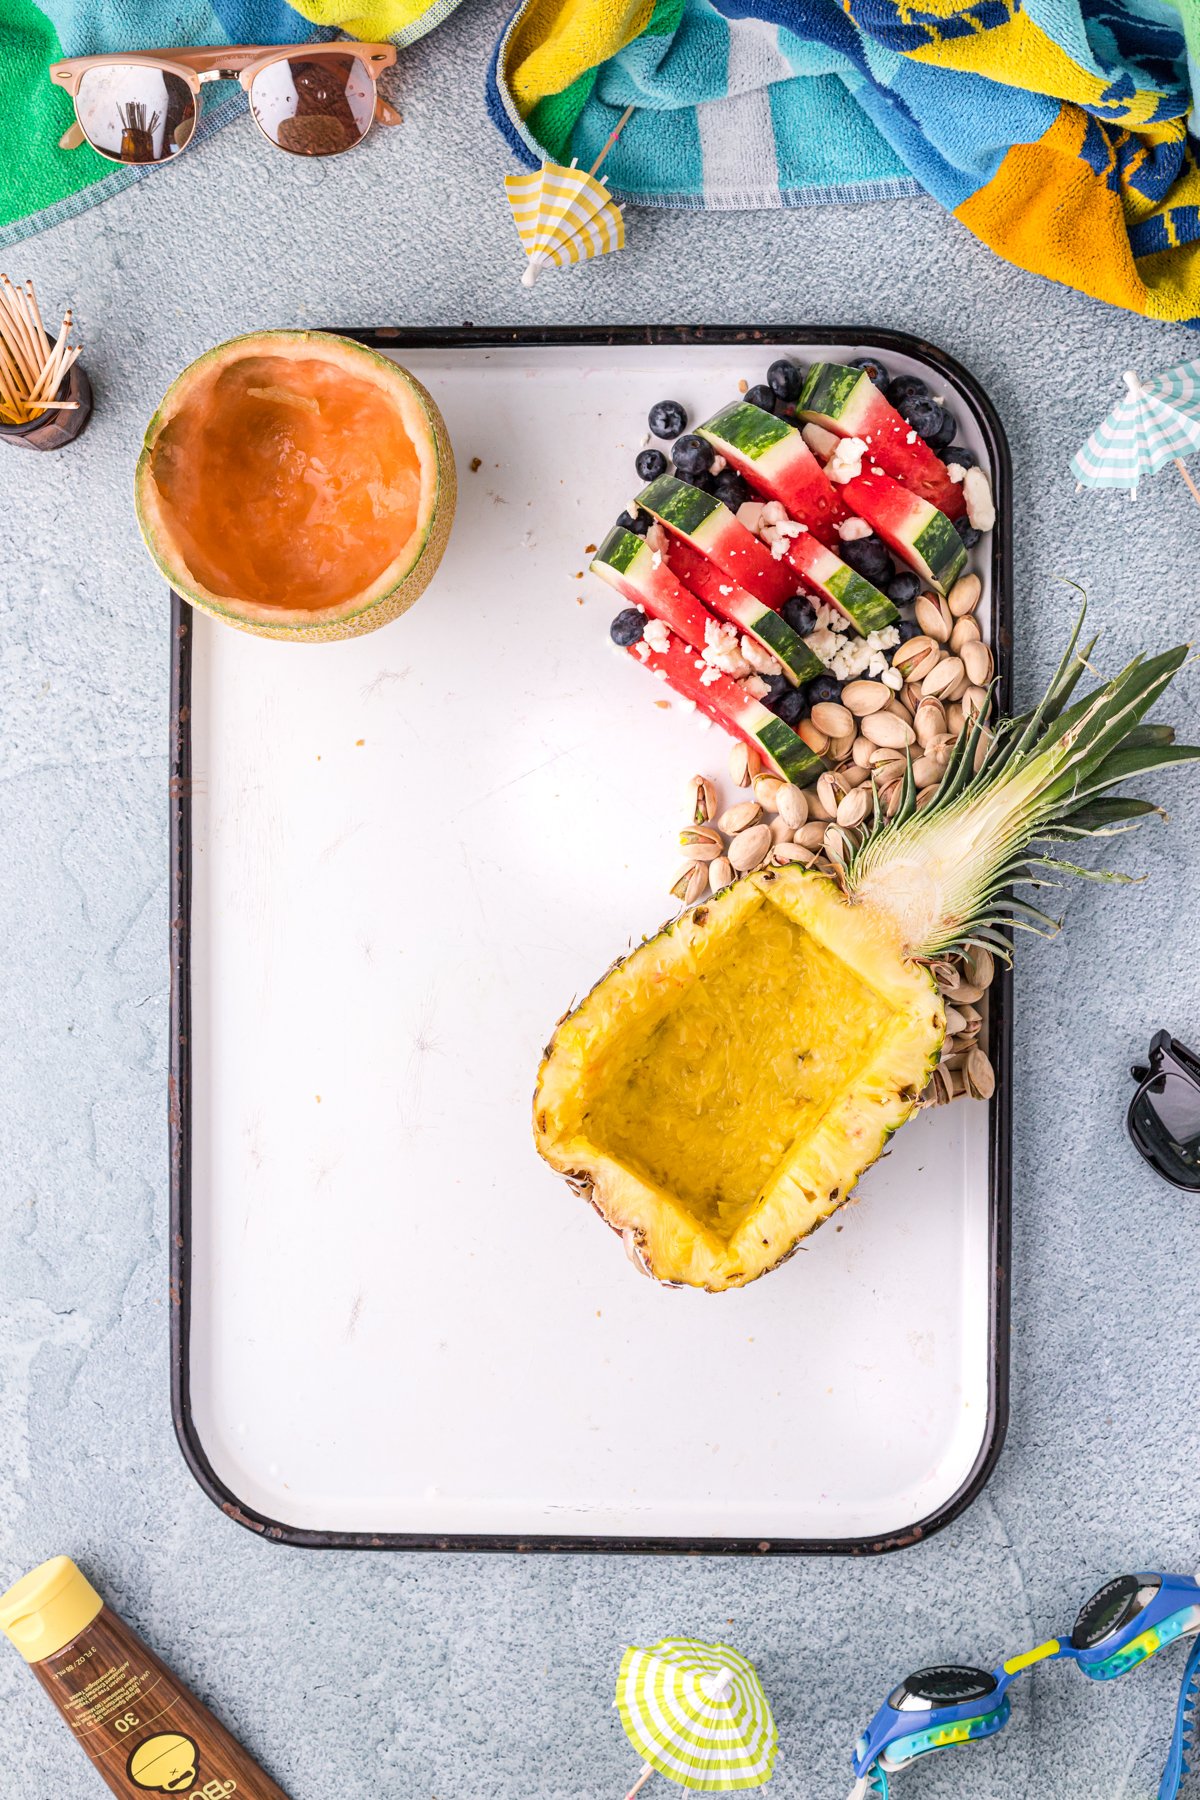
(886, 730)
(864, 697)
(946, 675)
(749, 848)
(834, 720)
(963, 597)
(792, 804)
(737, 818)
(933, 616)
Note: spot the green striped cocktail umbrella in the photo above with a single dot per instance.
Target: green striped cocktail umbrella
(1155, 422)
(697, 1714)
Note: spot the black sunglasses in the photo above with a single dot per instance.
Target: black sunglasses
(1164, 1115)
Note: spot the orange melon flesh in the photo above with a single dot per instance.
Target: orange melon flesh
(289, 482)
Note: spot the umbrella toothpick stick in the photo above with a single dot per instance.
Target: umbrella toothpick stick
(1192, 488)
(644, 1775)
(612, 137)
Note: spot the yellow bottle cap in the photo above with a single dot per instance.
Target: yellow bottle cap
(47, 1608)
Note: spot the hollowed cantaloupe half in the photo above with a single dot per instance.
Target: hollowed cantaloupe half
(297, 485)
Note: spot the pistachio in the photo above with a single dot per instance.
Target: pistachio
(886, 730)
(955, 717)
(701, 842)
(981, 749)
(924, 796)
(947, 975)
(910, 651)
(690, 882)
(927, 771)
(977, 492)
(720, 873)
(864, 697)
(815, 740)
(834, 720)
(891, 797)
(963, 597)
(943, 1086)
(701, 800)
(947, 674)
(978, 662)
(810, 836)
(817, 808)
(893, 679)
(793, 853)
(852, 775)
(853, 809)
(749, 848)
(831, 789)
(967, 990)
(974, 701)
(737, 818)
(955, 1022)
(980, 1077)
(861, 751)
(840, 747)
(929, 721)
(837, 844)
(744, 765)
(933, 616)
(912, 696)
(980, 964)
(766, 790)
(965, 631)
(899, 708)
(890, 769)
(781, 831)
(792, 804)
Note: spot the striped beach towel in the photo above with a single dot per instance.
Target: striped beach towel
(1055, 130)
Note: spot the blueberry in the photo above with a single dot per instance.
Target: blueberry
(667, 419)
(702, 480)
(784, 379)
(800, 614)
(691, 455)
(878, 374)
(650, 464)
(639, 522)
(903, 589)
(966, 459)
(869, 556)
(908, 628)
(627, 627)
(777, 687)
(761, 396)
(825, 687)
(923, 413)
(944, 435)
(903, 387)
(793, 706)
(966, 532)
(729, 488)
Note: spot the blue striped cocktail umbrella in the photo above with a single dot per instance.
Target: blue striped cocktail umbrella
(1155, 422)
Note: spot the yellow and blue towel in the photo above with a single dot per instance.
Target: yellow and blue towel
(1056, 130)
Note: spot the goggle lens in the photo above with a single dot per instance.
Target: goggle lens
(314, 105)
(135, 113)
(1164, 1122)
(1109, 1609)
(948, 1684)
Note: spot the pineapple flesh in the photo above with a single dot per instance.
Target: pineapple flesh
(720, 1091)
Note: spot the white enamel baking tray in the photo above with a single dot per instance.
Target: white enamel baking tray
(396, 861)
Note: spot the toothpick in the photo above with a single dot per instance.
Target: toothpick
(612, 137)
(1194, 490)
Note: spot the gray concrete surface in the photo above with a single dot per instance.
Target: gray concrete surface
(468, 1678)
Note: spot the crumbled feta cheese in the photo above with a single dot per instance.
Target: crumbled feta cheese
(717, 464)
(709, 676)
(850, 529)
(824, 643)
(773, 512)
(846, 461)
(910, 437)
(750, 514)
(642, 649)
(892, 678)
(759, 659)
(863, 656)
(955, 471)
(721, 650)
(659, 674)
(657, 539)
(875, 469)
(722, 589)
(977, 492)
(755, 686)
(656, 559)
(686, 705)
(657, 635)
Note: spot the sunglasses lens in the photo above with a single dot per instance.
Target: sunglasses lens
(946, 1685)
(1165, 1124)
(314, 105)
(133, 113)
(1116, 1603)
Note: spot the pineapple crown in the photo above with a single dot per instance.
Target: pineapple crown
(946, 873)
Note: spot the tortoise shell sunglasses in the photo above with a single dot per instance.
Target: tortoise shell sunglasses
(308, 99)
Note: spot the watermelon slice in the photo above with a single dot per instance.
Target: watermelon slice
(913, 528)
(777, 462)
(847, 401)
(841, 586)
(723, 596)
(702, 521)
(725, 701)
(626, 562)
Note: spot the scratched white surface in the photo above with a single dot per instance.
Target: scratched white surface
(410, 852)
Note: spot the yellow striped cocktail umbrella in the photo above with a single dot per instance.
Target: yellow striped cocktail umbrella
(565, 215)
(697, 1714)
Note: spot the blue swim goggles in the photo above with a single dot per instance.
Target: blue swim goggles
(1120, 1626)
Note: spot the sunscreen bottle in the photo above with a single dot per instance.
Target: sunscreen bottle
(144, 1731)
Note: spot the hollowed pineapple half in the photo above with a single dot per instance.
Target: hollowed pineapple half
(719, 1093)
